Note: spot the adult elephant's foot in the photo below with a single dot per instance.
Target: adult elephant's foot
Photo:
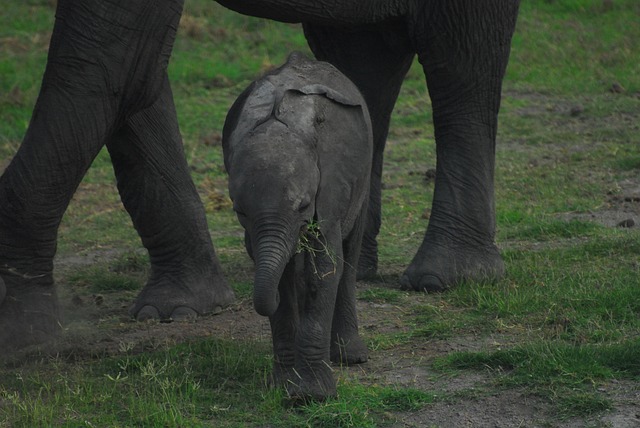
(368, 260)
(175, 296)
(367, 266)
(29, 311)
(436, 267)
(314, 382)
(349, 349)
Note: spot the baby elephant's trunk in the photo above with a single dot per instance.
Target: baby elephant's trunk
(272, 251)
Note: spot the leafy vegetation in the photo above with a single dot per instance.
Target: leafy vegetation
(313, 243)
(562, 325)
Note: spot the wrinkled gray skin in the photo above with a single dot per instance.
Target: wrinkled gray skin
(297, 146)
(463, 46)
(106, 84)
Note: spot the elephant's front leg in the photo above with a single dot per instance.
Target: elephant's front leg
(464, 60)
(284, 323)
(35, 191)
(157, 191)
(99, 72)
(323, 269)
(64, 136)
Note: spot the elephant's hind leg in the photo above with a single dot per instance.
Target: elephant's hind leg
(463, 47)
(155, 186)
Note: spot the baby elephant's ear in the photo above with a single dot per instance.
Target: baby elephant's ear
(349, 98)
(252, 108)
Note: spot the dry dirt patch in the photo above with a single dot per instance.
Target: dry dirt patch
(621, 210)
(466, 399)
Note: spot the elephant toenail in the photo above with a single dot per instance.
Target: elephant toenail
(430, 284)
(148, 313)
(183, 313)
(405, 283)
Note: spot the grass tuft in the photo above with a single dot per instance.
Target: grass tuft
(555, 368)
(312, 242)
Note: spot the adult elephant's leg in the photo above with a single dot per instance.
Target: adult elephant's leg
(99, 70)
(157, 191)
(68, 127)
(377, 62)
(62, 140)
(463, 46)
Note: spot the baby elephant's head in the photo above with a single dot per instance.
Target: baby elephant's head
(273, 182)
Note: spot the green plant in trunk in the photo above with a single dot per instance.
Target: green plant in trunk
(312, 242)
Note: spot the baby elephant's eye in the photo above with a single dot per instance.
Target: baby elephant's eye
(304, 207)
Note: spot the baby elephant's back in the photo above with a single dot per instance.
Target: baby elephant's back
(312, 77)
(308, 98)
(316, 100)
(300, 94)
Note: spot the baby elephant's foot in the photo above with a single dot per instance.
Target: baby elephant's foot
(310, 383)
(282, 375)
(368, 261)
(349, 349)
(436, 268)
(29, 312)
(173, 297)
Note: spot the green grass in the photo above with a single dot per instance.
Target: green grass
(383, 295)
(187, 385)
(567, 373)
(195, 384)
(125, 273)
(576, 46)
(563, 323)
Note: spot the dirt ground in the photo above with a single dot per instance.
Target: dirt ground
(98, 326)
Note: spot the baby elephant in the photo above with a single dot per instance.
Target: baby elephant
(297, 146)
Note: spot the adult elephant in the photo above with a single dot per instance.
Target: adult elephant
(106, 84)
(463, 46)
